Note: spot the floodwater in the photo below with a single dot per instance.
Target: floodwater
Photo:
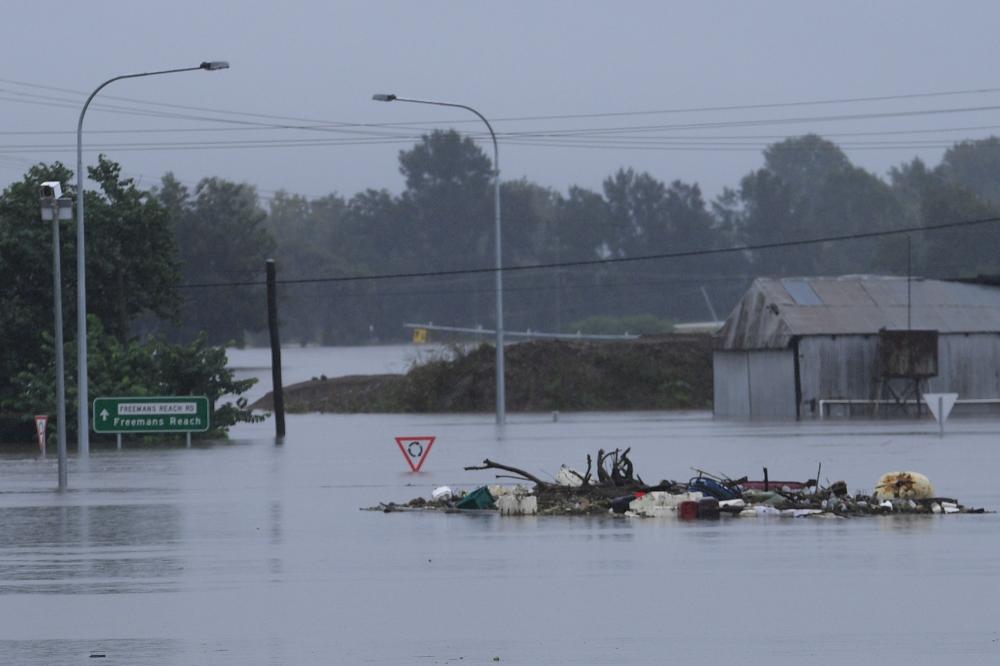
(244, 552)
(300, 364)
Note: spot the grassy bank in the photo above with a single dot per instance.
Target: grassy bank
(661, 372)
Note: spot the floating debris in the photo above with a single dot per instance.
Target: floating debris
(618, 490)
(904, 485)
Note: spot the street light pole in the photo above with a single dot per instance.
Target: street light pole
(501, 403)
(56, 208)
(83, 415)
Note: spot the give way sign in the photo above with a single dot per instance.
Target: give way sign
(415, 450)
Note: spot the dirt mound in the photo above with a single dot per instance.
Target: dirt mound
(661, 372)
(350, 394)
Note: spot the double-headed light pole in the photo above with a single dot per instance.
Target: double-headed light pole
(83, 413)
(501, 405)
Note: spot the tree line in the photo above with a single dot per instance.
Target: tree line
(442, 222)
(178, 262)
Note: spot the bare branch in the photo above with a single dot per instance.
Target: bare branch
(489, 464)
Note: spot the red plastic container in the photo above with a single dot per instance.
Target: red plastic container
(687, 510)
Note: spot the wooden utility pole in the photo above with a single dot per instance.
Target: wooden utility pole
(277, 392)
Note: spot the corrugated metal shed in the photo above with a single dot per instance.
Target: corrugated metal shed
(773, 310)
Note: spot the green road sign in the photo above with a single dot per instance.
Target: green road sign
(160, 414)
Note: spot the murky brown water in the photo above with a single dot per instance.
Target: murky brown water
(243, 552)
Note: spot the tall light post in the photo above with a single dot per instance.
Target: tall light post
(56, 207)
(501, 405)
(83, 415)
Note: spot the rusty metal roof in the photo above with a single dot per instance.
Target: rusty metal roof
(774, 310)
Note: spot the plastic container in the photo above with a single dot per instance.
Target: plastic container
(708, 508)
(687, 510)
(480, 498)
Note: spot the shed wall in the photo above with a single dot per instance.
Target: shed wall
(847, 367)
(837, 366)
(730, 385)
(968, 365)
(755, 384)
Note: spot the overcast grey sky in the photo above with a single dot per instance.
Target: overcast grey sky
(309, 63)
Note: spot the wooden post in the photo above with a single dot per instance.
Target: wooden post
(277, 393)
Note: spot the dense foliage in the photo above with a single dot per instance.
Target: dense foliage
(139, 368)
(442, 222)
(132, 274)
(176, 262)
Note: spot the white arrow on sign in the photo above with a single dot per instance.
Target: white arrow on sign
(104, 415)
(940, 405)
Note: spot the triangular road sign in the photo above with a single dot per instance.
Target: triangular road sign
(940, 404)
(415, 450)
(41, 422)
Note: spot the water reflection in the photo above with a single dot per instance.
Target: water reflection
(89, 549)
(257, 554)
(911, 524)
(275, 564)
(105, 651)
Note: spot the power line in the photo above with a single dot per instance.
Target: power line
(526, 118)
(597, 131)
(620, 142)
(612, 260)
(367, 128)
(701, 137)
(566, 286)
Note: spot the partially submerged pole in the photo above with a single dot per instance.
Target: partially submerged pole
(940, 416)
(277, 392)
(63, 470)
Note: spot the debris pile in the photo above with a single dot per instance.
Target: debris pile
(618, 490)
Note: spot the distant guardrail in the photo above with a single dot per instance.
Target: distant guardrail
(529, 334)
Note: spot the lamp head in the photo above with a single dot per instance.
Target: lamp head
(213, 65)
(384, 98)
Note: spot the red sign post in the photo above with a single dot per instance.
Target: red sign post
(415, 450)
(41, 423)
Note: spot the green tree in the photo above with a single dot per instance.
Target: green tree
(134, 367)
(221, 239)
(26, 275)
(636, 206)
(448, 200)
(974, 165)
(446, 225)
(928, 197)
(582, 225)
(132, 265)
(131, 272)
(809, 189)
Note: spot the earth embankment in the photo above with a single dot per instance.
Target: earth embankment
(651, 373)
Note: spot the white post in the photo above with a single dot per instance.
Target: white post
(941, 415)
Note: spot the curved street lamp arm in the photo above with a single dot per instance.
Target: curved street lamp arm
(501, 409)
(496, 152)
(83, 425)
(83, 111)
